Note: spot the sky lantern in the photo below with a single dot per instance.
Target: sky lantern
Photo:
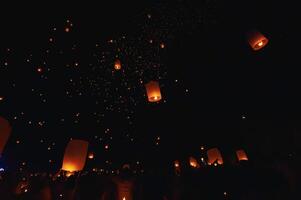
(91, 155)
(193, 162)
(117, 64)
(214, 156)
(177, 167)
(153, 91)
(5, 130)
(241, 155)
(75, 155)
(257, 40)
(125, 189)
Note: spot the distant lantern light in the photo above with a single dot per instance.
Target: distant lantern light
(117, 64)
(241, 155)
(177, 167)
(39, 69)
(75, 155)
(1, 98)
(257, 40)
(153, 91)
(91, 155)
(5, 130)
(193, 162)
(177, 164)
(67, 29)
(214, 156)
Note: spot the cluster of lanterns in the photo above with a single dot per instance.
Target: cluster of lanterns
(76, 150)
(256, 41)
(214, 158)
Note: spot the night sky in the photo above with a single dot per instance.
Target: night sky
(58, 80)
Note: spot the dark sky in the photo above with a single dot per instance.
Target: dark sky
(216, 90)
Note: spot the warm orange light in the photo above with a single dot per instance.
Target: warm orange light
(123, 198)
(75, 155)
(5, 130)
(257, 40)
(177, 164)
(91, 155)
(69, 167)
(153, 91)
(193, 162)
(241, 155)
(214, 155)
(117, 64)
(260, 43)
(69, 173)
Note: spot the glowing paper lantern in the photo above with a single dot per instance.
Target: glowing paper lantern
(117, 64)
(91, 155)
(257, 40)
(241, 155)
(5, 130)
(125, 189)
(214, 155)
(75, 155)
(153, 91)
(193, 162)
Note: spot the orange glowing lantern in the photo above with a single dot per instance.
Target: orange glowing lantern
(214, 156)
(241, 155)
(257, 40)
(125, 189)
(75, 155)
(91, 155)
(5, 130)
(193, 162)
(117, 64)
(153, 91)
(177, 167)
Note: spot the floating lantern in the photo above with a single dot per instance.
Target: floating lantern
(5, 130)
(117, 64)
(241, 155)
(257, 40)
(125, 189)
(91, 155)
(75, 155)
(193, 162)
(214, 156)
(177, 167)
(153, 91)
